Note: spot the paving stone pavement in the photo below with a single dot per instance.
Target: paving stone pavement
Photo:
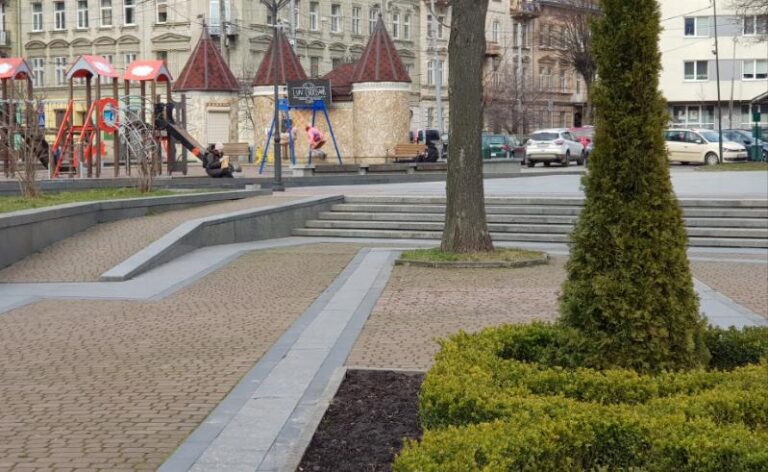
(86, 255)
(421, 304)
(117, 385)
(746, 284)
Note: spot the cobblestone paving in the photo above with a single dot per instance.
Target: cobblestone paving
(86, 255)
(118, 385)
(746, 284)
(421, 304)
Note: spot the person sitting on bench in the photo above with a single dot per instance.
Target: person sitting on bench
(216, 164)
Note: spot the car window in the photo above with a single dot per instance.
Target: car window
(544, 136)
(691, 137)
(711, 136)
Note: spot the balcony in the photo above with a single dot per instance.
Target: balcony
(215, 29)
(524, 9)
(438, 3)
(492, 49)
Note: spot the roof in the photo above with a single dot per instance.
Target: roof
(380, 61)
(148, 70)
(14, 68)
(89, 66)
(341, 82)
(288, 65)
(206, 70)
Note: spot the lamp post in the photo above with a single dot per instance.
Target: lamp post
(719, 108)
(275, 6)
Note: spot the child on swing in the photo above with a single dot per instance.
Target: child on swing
(316, 141)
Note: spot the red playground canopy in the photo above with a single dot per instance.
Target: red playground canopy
(89, 66)
(14, 68)
(148, 70)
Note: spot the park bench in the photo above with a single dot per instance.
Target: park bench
(237, 150)
(408, 152)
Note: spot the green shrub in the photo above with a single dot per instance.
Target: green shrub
(589, 439)
(629, 288)
(731, 348)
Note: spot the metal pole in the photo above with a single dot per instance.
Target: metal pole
(293, 24)
(717, 67)
(439, 76)
(277, 185)
(223, 47)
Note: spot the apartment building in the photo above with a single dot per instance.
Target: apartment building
(6, 20)
(689, 80)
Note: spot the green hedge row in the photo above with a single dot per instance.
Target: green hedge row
(514, 398)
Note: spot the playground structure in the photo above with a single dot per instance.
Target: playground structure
(142, 127)
(285, 109)
(11, 71)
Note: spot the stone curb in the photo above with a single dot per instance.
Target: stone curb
(475, 264)
(270, 222)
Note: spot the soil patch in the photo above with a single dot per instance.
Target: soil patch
(366, 422)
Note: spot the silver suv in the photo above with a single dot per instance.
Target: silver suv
(553, 145)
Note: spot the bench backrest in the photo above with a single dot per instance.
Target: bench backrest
(237, 149)
(409, 149)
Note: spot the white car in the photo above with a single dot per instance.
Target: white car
(553, 145)
(701, 146)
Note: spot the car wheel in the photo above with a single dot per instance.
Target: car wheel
(765, 156)
(567, 159)
(710, 159)
(530, 163)
(580, 161)
(546, 164)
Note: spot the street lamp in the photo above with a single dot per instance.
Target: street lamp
(717, 67)
(275, 6)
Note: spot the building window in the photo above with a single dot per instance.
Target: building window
(356, 20)
(440, 21)
(407, 26)
(336, 62)
(38, 71)
(495, 31)
(373, 15)
(694, 116)
(430, 26)
(61, 70)
(82, 14)
(696, 70)
(314, 66)
(37, 17)
(107, 80)
(396, 25)
(296, 16)
(430, 72)
(314, 16)
(755, 69)
(336, 18)
(129, 12)
(128, 58)
(430, 117)
(698, 26)
(106, 13)
(409, 69)
(162, 11)
(59, 16)
(270, 20)
(755, 25)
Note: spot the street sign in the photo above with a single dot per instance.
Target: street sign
(306, 92)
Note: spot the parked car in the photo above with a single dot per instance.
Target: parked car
(553, 145)
(701, 146)
(745, 137)
(584, 135)
(496, 146)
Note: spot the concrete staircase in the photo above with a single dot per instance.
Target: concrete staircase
(710, 223)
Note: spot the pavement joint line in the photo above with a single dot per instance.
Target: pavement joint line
(736, 315)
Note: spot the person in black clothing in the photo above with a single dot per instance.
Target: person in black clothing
(215, 164)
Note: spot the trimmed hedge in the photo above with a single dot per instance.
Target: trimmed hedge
(514, 398)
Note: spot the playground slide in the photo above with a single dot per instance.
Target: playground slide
(186, 140)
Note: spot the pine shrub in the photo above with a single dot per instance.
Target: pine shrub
(629, 288)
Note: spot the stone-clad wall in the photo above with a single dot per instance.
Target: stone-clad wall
(381, 119)
(198, 104)
(365, 129)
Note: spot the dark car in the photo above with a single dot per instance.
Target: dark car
(745, 137)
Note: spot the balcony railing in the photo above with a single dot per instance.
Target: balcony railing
(525, 8)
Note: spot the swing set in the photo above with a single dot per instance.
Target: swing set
(284, 107)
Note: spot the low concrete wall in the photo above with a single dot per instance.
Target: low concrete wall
(237, 227)
(25, 232)
(501, 166)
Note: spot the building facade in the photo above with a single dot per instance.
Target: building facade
(689, 80)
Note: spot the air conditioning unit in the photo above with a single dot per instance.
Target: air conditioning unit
(4, 38)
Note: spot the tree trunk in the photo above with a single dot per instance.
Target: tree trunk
(466, 229)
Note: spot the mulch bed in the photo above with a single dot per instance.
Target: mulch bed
(364, 427)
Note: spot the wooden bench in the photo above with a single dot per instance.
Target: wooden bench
(238, 150)
(404, 152)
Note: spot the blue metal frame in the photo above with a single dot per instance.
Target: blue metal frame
(283, 106)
